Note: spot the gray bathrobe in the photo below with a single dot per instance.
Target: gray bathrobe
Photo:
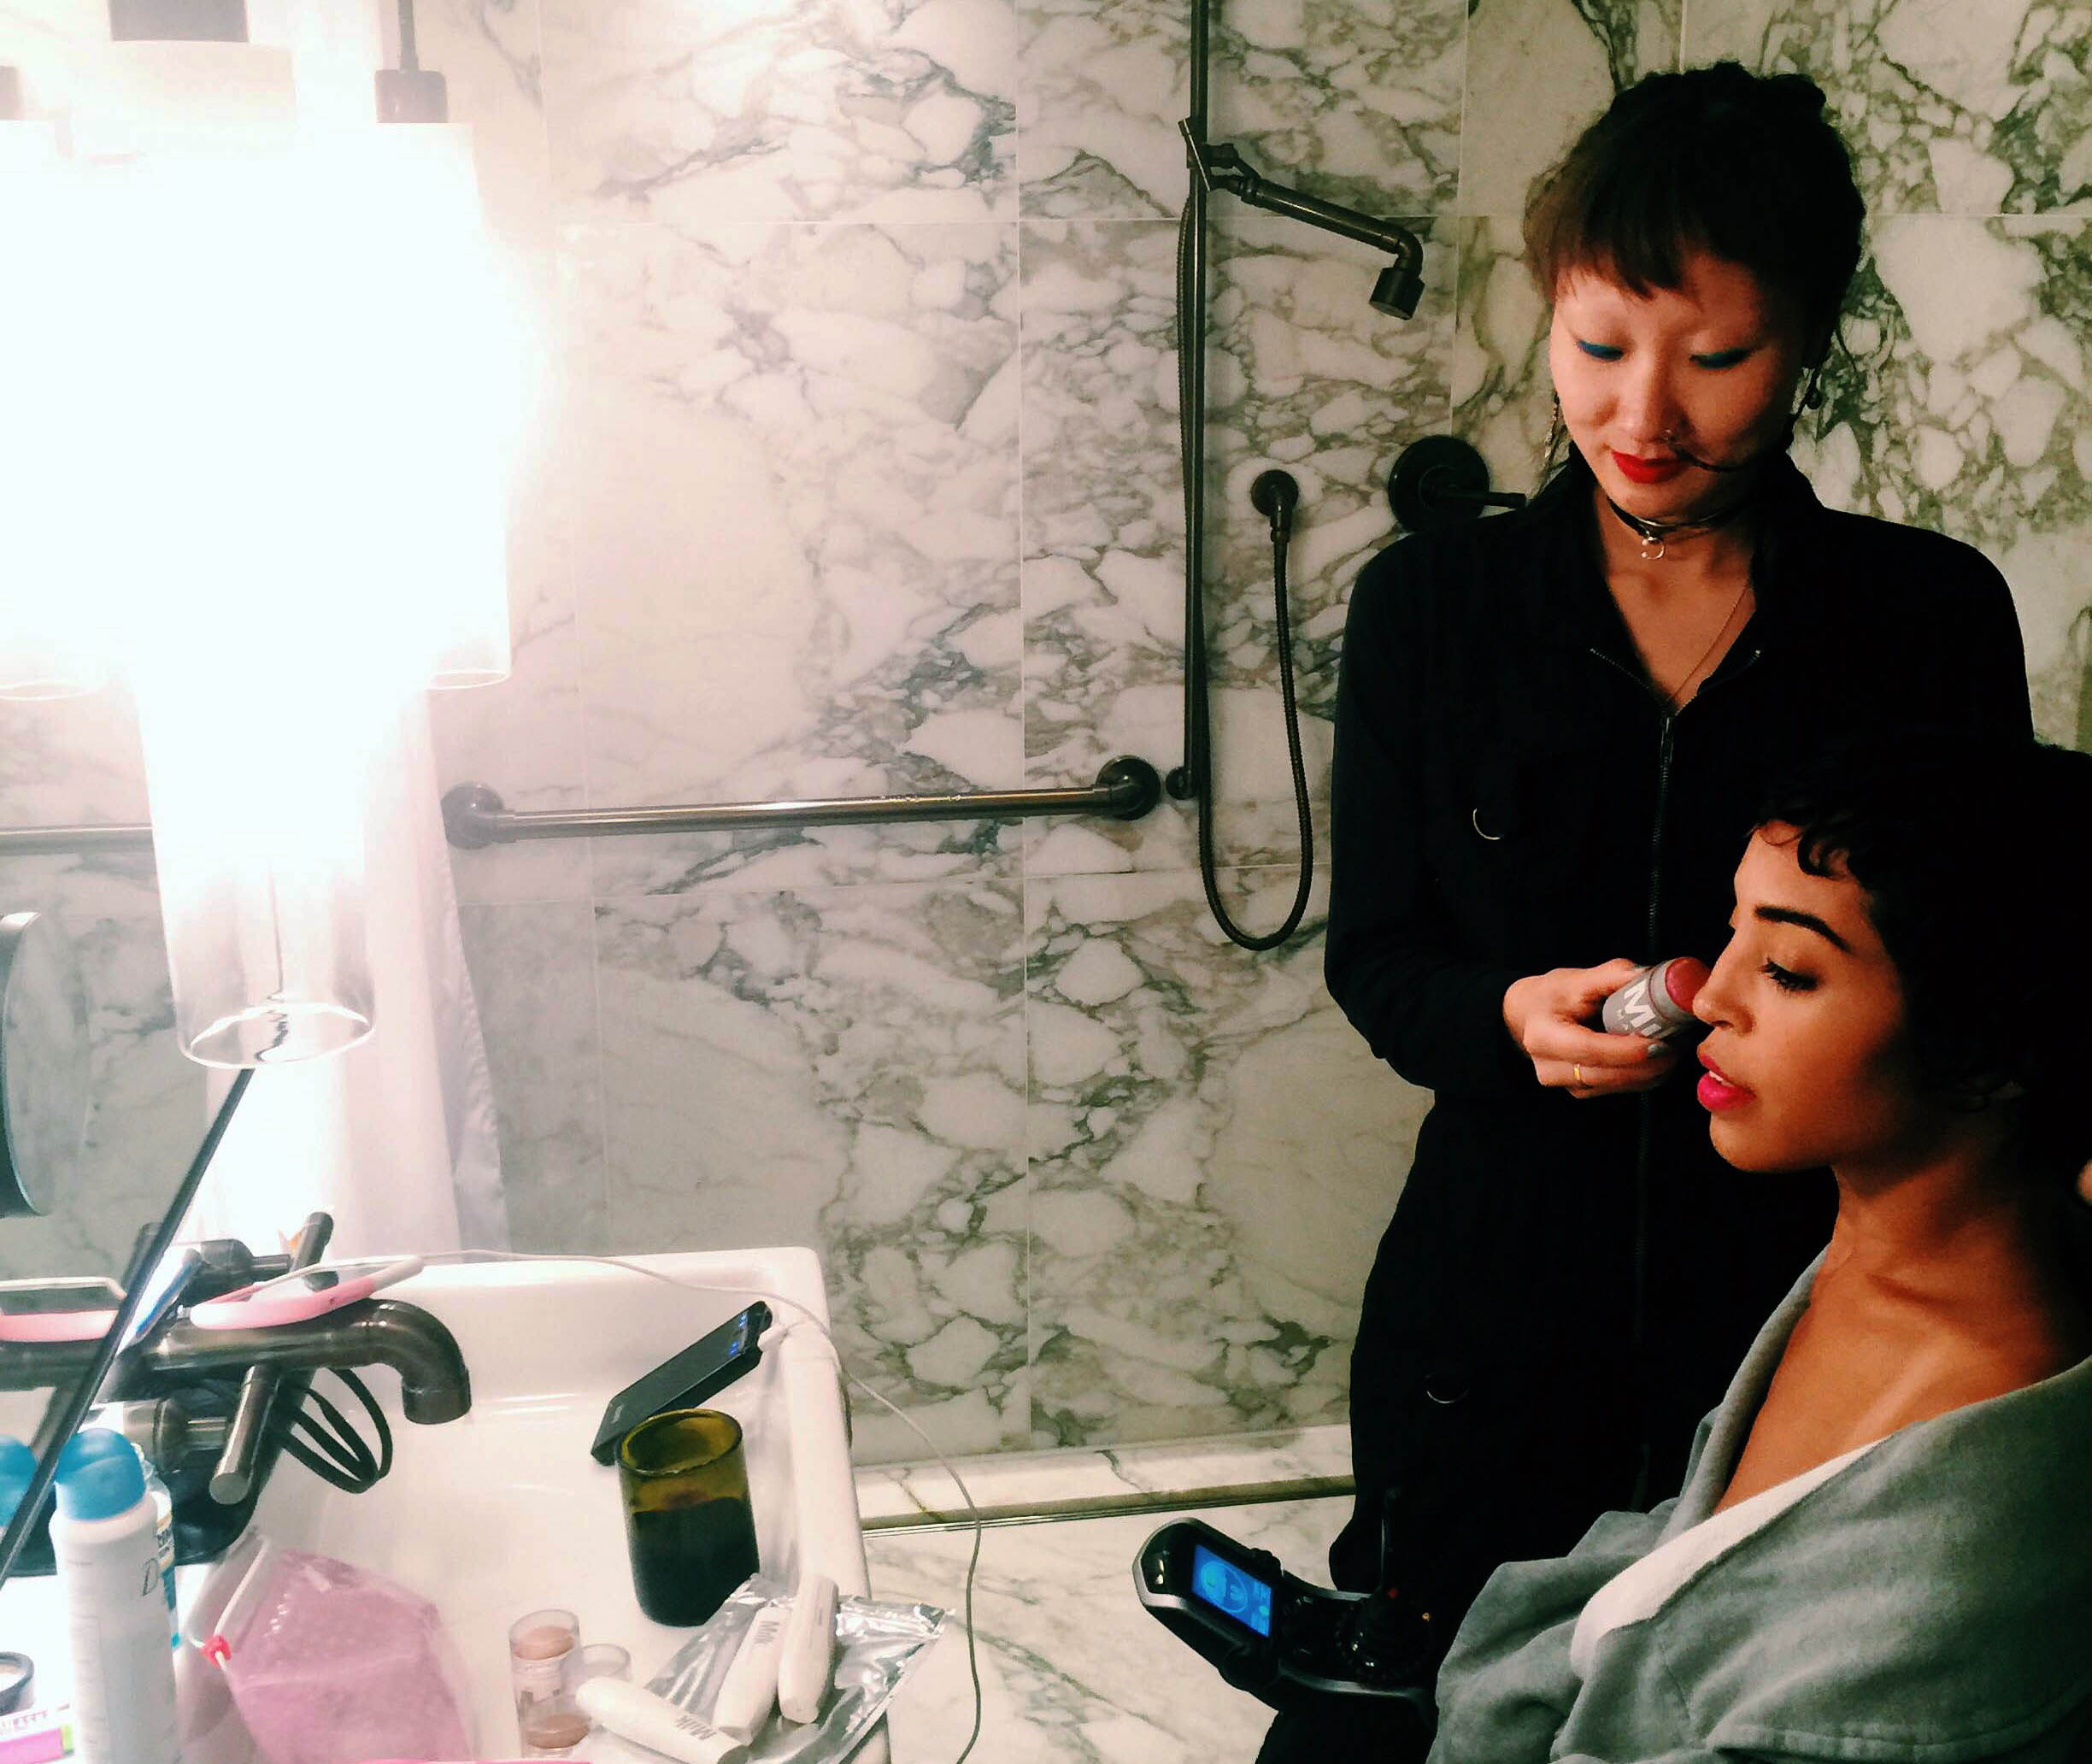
(1929, 1602)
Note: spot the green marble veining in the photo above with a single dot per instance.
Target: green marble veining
(1974, 107)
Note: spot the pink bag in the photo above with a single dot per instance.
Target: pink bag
(332, 1664)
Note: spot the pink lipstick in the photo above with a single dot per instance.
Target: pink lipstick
(1716, 1092)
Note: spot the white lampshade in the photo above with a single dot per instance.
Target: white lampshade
(304, 452)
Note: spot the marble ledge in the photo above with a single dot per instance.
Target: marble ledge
(1177, 1467)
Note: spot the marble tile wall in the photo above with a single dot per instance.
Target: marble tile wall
(856, 472)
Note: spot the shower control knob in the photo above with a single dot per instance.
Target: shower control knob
(1275, 495)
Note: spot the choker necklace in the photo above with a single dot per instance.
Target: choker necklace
(1654, 533)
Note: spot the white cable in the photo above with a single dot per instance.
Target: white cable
(808, 1315)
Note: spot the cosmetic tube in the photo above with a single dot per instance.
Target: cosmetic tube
(650, 1720)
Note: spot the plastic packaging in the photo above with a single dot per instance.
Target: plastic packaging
(877, 1646)
(103, 1539)
(332, 1664)
(31, 1736)
(1657, 1004)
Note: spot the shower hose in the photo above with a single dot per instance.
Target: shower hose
(1274, 494)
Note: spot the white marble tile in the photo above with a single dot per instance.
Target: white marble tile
(1966, 410)
(521, 737)
(1502, 394)
(1359, 104)
(533, 970)
(1026, 1479)
(488, 52)
(147, 1114)
(792, 501)
(1963, 109)
(1213, 1155)
(1539, 71)
(72, 761)
(1073, 1670)
(842, 1068)
(1304, 374)
(783, 110)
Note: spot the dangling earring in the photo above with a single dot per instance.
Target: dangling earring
(1555, 432)
(1812, 398)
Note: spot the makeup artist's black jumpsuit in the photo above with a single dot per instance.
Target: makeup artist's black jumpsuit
(1567, 1286)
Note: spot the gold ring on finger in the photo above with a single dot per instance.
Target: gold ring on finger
(1578, 1070)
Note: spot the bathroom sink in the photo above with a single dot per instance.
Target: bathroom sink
(504, 1511)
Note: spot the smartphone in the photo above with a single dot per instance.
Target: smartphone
(699, 1373)
(75, 1309)
(297, 1297)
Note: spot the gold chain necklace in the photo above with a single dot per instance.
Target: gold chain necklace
(1675, 697)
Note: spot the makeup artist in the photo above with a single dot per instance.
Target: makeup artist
(1553, 731)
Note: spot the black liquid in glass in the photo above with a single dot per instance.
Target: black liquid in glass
(688, 1522)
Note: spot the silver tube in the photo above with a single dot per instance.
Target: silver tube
(18, 842)
(474, 816)
(234, 1475)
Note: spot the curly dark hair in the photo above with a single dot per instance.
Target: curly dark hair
(1976, 860)
(1742, 165)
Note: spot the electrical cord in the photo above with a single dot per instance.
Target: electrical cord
(808, 1315)
(349, 1463)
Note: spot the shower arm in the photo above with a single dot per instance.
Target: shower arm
(1218, 165)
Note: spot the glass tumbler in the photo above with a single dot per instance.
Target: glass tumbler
(688, 1523)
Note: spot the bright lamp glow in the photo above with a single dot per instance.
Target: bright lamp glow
(304, 372)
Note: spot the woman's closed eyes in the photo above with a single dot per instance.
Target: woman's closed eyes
(1714, 361)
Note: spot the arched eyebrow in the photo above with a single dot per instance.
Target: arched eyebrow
(1808, 921)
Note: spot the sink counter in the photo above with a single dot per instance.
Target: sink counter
(504, 1511)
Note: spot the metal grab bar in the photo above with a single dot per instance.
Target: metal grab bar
(19, 842)
(1125, 789)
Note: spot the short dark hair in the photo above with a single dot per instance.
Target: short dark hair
(1976, 859)
(1742, 165)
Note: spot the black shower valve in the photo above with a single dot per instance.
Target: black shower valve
(1275, 495)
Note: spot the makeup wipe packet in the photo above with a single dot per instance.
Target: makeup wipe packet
(877, 1646)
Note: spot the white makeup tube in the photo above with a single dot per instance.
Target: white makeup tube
(749, 1692)
(805, 1664)
(650, 1720)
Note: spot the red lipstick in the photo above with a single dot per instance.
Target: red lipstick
(1716, 1092)
(1647, 471)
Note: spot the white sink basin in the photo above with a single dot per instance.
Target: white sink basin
(504, 1511)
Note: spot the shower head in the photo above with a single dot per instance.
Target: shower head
(1396, 291)
(1217, 166)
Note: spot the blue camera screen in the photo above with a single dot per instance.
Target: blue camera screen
(1227, 1588)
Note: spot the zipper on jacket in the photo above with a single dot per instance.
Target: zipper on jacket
(1645, 1121)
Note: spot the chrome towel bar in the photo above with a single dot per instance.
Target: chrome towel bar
(1125, 789)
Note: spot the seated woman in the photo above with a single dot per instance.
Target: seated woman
(1883, 1549)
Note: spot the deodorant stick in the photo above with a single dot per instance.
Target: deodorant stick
(1657, 1004)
